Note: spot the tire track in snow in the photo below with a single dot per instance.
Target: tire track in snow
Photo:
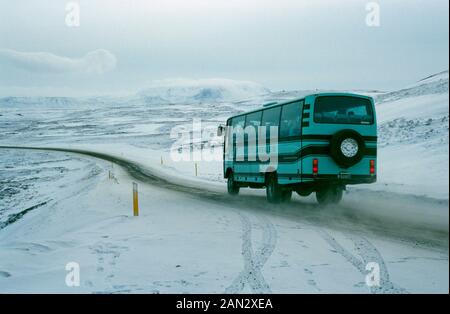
(368, 253)
(254, 261)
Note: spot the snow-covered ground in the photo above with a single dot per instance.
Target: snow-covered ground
(186, 240)
(24, 180)
(413, 138)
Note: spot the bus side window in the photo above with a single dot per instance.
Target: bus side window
(291, 120)
(237, 133)
(271, 117)
(238, 121)
(253, 121)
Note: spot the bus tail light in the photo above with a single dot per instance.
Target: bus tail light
(315, 166)
(372, 167)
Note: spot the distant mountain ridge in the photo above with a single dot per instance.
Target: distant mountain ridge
(181, 91)
(204, 90)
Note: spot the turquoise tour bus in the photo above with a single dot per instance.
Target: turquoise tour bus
(319, 143)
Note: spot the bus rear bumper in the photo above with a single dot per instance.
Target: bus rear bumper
(347, 179)
(316, 181)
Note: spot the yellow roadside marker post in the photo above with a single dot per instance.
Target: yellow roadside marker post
(135, 200)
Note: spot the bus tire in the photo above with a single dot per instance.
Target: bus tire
(232, 186)
(273, 189)
(329, 195)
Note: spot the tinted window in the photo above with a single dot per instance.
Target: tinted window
(343, 110)
(237, 132)
(238, 121)
(253, 119)
(270, 117)
(290, 124)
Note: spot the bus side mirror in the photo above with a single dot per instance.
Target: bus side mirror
(220, 130)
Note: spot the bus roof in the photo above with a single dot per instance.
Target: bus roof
(276, 104)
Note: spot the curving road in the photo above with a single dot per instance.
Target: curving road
(346, 218)
(352, 215)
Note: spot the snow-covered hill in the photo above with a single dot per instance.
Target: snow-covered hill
(431, 85)
(204, 90)
(413, 133)
(416, 114)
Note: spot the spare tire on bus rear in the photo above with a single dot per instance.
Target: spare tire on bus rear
(347, 148)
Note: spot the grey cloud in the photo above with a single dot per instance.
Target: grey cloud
(98, 61)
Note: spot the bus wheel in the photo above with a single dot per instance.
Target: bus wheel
(273, 189)
(232, 186)
(329, 195)
(286, 196)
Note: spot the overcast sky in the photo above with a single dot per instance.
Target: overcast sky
(121, 46)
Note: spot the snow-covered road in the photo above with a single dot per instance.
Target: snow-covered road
(192, 238)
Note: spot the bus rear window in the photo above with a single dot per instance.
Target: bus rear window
(343, 110)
